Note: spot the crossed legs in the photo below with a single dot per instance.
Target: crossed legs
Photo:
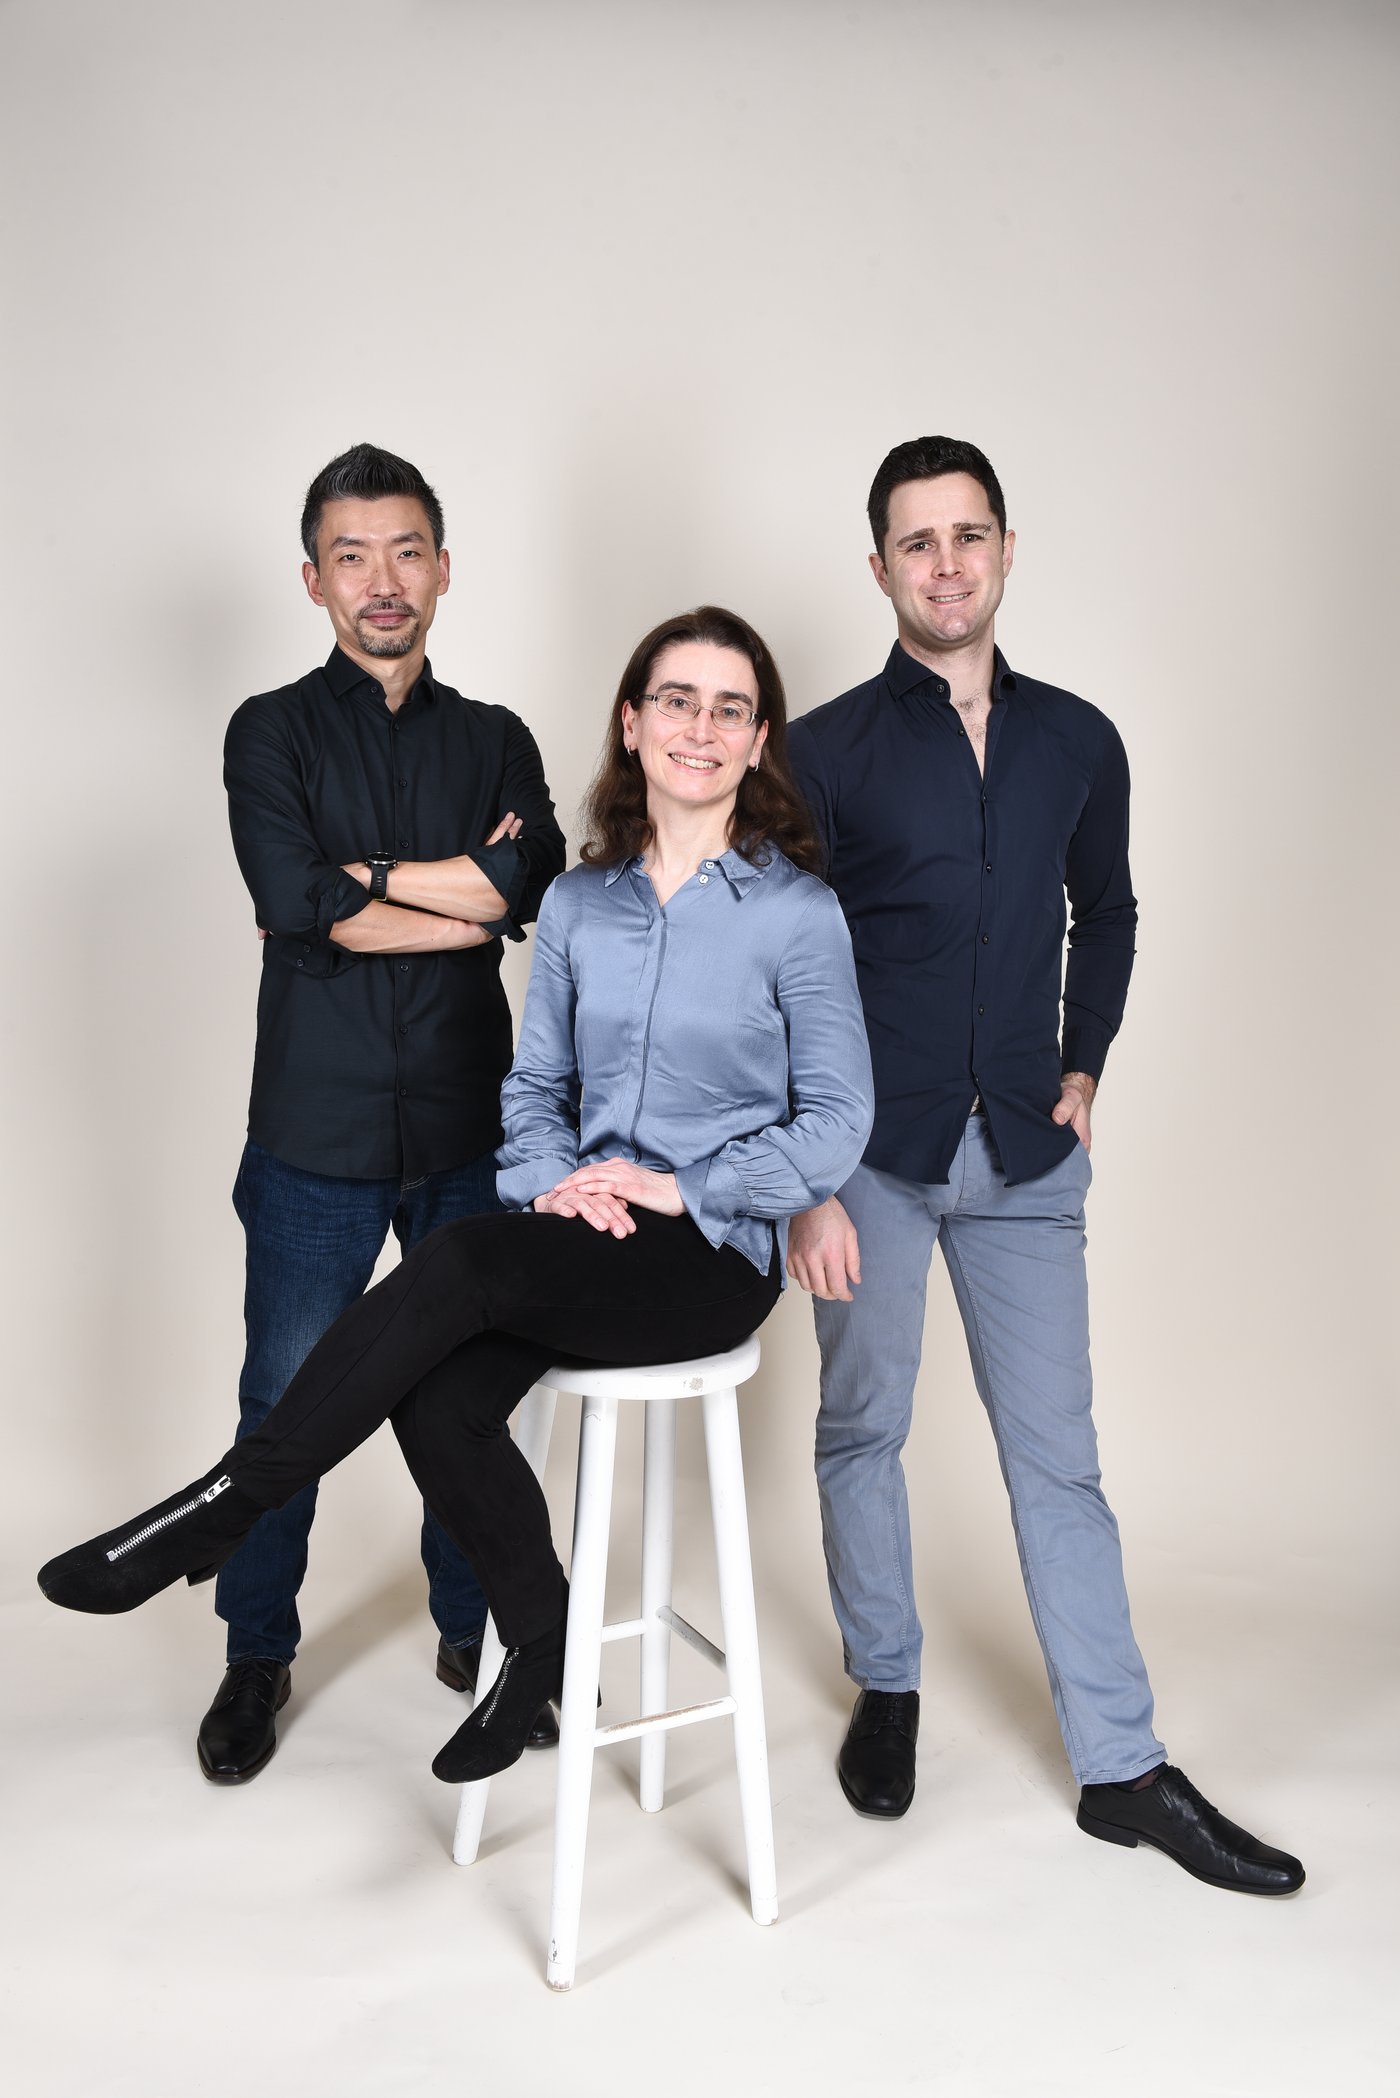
(447, 1345)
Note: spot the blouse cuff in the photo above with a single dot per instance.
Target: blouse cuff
(518, 1186)
(713, 1195)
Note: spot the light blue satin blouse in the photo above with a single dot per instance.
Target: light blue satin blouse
(720, 1039)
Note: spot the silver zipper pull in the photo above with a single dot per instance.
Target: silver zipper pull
(217, 1488)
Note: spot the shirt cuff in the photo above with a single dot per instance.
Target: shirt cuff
(1085, 1049)
(503, 864)
(342, 897)
(713, 1195)
(518, 1186)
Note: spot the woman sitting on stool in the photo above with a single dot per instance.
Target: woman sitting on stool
(692, 1071)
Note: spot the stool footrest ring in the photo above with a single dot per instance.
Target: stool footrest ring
(634, 1627)
(625, 1628)
(662, 1722)
(684, 1629)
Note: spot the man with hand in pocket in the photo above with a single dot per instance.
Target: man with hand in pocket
(961, 804)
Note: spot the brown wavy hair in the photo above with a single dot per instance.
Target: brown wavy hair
(768, 811)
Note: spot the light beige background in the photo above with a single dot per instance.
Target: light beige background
(648, 290)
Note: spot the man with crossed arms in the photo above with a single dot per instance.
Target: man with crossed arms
(391, 833)
(960, 802)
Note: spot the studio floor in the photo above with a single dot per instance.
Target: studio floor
(309, 1932)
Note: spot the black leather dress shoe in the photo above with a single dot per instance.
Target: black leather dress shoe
(457, 1667)
(876, 1763)
(238, 1734)
(1173, 1816)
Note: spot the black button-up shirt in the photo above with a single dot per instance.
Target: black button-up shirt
(954, 887)
(376, 1065)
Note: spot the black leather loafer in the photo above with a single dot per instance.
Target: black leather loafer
(238, 1734)
(876, 1763)
(457, 1667)
(1173, 1816)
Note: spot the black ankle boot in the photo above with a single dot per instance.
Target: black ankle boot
(192, 1533)
(495, 1735)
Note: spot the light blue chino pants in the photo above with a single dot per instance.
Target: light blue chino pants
(1016, 1259)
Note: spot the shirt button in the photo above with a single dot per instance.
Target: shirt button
(962, 731)
(403, 844)
(403, 782)
(403, 1092)
(703, 879)
(709, 863)
(985, 937)
(306, 950)
(301, 965)
(989, 866)
(403, 1029)
(403, 968)
(981, 1008)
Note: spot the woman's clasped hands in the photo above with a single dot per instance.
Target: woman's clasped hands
(604, 1193)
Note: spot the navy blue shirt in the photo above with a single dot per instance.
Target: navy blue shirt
(954, 887)
(372, 1066)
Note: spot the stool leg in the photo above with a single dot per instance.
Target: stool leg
(471, 1799)
(658, 1538)
(741, 1645)
(588, 1575)
(534, 1421)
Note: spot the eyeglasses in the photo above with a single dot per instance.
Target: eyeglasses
(729, 716)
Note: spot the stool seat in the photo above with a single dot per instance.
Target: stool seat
(659, 1380)
(662, 1386)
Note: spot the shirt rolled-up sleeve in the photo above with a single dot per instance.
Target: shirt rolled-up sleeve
(522, 868)
(541, 1095)
(1103, 916)
(793, 1165)
(298, 894)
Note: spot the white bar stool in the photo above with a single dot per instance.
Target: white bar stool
(714, 1379)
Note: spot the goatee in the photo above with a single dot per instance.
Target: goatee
(377, 644)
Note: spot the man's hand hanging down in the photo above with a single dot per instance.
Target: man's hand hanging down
(823, 1251)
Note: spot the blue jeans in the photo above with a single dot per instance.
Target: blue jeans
(312, 1242)
(1015, 1256)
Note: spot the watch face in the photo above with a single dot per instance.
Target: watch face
(380, 859)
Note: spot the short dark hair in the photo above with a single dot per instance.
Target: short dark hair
(928, 459)
(365, 473)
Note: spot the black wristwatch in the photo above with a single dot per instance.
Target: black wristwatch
(381, 865)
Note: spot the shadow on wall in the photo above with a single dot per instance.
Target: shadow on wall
(151, 1025)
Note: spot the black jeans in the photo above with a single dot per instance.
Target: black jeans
(447, 1346)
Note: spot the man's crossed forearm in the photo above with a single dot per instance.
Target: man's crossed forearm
(433, 906)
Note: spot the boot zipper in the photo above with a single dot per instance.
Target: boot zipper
(507, 1669)
(163, 1522)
